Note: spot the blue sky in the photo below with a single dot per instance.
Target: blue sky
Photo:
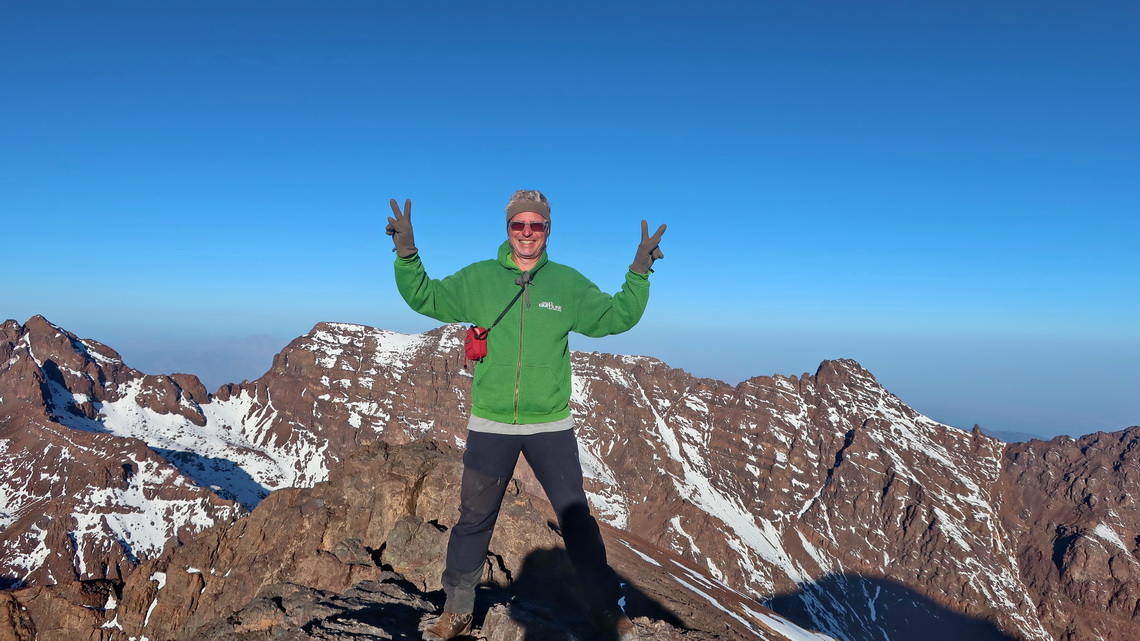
(944, 192)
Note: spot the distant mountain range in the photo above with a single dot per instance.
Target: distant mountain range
(1006, 436)
(796, 507)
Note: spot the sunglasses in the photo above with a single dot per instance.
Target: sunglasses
(535, 228)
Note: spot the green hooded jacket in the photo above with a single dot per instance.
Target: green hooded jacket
(525, 377)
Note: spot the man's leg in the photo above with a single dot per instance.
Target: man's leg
(488, 465)
(554, 458)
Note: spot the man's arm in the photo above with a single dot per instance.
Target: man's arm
(438, 299)
(601, 314)
(432, 298)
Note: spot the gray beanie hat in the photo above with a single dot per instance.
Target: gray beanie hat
(528, 200)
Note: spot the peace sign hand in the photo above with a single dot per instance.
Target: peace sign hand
(648, 251)
(400, 229)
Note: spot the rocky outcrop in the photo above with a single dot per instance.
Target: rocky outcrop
(1071, 506)
(356, 557)
(80, 503)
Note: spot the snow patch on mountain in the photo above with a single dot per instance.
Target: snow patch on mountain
(136, 519)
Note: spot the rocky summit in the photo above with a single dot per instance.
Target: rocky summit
(314, 503)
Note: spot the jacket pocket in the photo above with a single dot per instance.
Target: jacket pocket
(540, 391)
(494, 387)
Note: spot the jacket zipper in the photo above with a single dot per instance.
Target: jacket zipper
(518, 370)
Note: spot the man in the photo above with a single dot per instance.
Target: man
(521, 391)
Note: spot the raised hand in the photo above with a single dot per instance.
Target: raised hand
(400, 229)
(648, 251)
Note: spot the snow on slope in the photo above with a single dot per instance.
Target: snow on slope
(720, 596)
(109, 504)
(756, 543)
(133, 515)
(222, 455)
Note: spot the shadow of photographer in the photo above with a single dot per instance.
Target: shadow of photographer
(545, 601)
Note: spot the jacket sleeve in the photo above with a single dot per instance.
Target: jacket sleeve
(438, 299)
(600, 314)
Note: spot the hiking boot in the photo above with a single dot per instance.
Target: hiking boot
(449, 626)
(616, 626)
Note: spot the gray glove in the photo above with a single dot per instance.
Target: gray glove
(647, 251)
(400, 229)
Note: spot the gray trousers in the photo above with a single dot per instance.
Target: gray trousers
(488, 465)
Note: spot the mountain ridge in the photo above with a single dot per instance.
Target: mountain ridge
(772, 485)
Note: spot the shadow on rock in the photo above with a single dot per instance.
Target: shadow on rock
(544, 602)
(225, 477)
(851, 607)
(386, 609)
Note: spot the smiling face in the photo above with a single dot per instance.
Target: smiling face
(527, 244)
